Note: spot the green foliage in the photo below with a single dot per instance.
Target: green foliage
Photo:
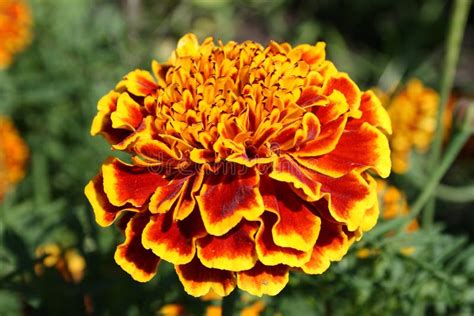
(82, 48)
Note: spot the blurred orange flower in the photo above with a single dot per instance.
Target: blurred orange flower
(68, 262)
(13, 156)
(255, 309)
(15, 29)
(247, 161)
(413, 113)
(394, 203)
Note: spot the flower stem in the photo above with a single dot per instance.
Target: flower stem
(453, 47)
(454, 148)
(228, 303)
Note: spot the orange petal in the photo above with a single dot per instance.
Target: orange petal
(125, 183)
(140, 83)
(342, 83)
(360, 148)
(287, 170)
(326, 141)
(263, 280)
(372, 213)
(155, 150)
(102, 124)
(332, 245)
(186, 202)
(171, 240)
(165, 195)
(374, 113)
(297, 226)
(228, 196)
(348, 197)
(234, 251)
(128, 114)
(312, 96)
(106, 105)
(271, 254)
(140, 263)
(104, 212)
(133, 137)
(199, 280)
(336, 107)
(188, 45)
(310, 129)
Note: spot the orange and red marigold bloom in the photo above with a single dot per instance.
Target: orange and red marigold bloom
(13, 156)
(15, 29)
(246, 162)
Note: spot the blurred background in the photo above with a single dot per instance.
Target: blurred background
(54, 259)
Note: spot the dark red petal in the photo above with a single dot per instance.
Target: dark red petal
(140, 263)
(199, 280)
(234, 251)
(125, 183)
(228, 196)
(271, 254)
(105, 213)
(172, 240)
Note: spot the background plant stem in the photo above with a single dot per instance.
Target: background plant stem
(453, 47)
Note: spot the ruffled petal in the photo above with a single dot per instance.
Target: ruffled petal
(187, 201)
(166, 195)
(287, 170)
(234, 251)
(140, 83)
(326, 141)
(372, 213)
(124, 183)
(297, 225)
(348, 197)
(173, 241)
(374, 113)
(128, 114)
(360, 147)
(228, 196)
(336, 107)
(332, 245)
(102, 123)
(271, 254)
(342, 83)
(263, 280)
(199, 280)
(140, 263)
(104, 212)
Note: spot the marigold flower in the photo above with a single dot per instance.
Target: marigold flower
(413, 114)
(15, 29)
(13, 156)
(246, 162)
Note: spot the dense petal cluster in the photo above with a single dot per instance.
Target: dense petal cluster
(15, 29)
(13, 156)
(413, 114)
(246, 162)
